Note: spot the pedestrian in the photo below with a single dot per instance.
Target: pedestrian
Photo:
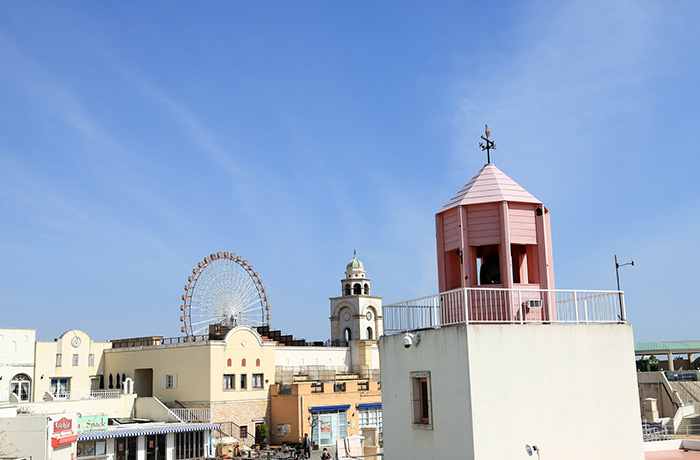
(306, 445)
(325, 455)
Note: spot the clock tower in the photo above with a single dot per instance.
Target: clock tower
(356, 315)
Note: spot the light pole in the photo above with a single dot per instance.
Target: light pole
(617, 273)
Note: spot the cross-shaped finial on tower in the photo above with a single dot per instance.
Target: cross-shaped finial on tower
(490, 145)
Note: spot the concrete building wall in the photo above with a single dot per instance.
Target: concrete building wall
(23, 436)
(559, 387)
(443, 354)
(16, 357)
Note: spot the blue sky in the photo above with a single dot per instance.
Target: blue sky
(137, 138)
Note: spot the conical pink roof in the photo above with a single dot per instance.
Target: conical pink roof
(490, 185)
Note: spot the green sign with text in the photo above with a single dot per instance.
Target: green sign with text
(92, 423)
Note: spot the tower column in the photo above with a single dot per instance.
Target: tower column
(506, 258)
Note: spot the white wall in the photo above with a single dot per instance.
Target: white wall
(570, 390)
(120, 407)
(16, 357)
(312, 356)
(23, 436)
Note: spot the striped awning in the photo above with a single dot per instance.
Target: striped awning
(146, 429)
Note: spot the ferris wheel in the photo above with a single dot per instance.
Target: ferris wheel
(223, 289)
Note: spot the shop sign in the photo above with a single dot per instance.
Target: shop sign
(64, 424)
(92, 423)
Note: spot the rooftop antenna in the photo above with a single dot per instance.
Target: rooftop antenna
(489, 144)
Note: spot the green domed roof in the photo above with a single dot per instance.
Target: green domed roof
(355, 263)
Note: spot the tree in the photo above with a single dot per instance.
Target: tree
(260, 433)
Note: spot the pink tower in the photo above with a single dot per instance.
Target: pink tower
(494, 235)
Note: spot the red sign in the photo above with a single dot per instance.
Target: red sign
(55, 442)
(62, 425)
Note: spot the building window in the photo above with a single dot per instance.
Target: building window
(229, 382)
(243, 432)
(75, 359)
(357, 289)
(369, 333)
(370, 416)
(59, 360)
(228, 362)
(91, 359)
(366, 289)
(243, 362)
(421, 400)
(91, 448)
(170, 381)
(257, 362)
(339, 387)
(21, 386)
(257, 381)
(347, 334)
(316, 387)
(244, 381)
(488, 264)
(347, 289)
(363, 386)
(60, 388)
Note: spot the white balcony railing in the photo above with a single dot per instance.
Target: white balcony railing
(91, 394)
(505, 306)
(193, 414)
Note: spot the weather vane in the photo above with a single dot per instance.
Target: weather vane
(489, 144)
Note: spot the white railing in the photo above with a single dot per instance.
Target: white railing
(193, 414)
(505, 306)
(92, 394)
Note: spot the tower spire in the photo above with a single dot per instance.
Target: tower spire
(490, 145)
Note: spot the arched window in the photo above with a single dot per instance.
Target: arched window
(369, 333)
(21, 386)
(347, 289)
(357, 289)
(228, 362)
(243, 362)
(366, 289)
(348, 334)
(257, 362)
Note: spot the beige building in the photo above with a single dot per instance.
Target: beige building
(229, 378)
(69, 367)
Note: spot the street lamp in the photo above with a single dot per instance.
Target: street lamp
(617, 273)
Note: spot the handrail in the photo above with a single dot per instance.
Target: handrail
(487, 305)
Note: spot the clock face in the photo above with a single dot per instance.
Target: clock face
(75, 341)
(368, 315)
(346, 316)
